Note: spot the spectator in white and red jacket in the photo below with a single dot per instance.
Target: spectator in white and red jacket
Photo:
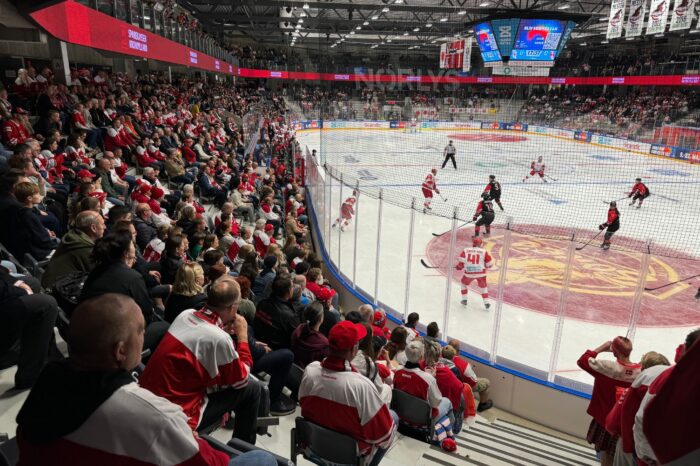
(609, 376)
(479, 385)
(334, 395)
(669, 412)
(620, 420)
(103, 416)
(198, 366)
(262, 237)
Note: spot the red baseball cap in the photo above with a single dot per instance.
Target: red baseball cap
(344, 335)
(379, 319)
(156, 192)
(85, 174)
(268, 227)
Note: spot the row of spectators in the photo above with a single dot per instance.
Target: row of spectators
(631, 403)
(638, 109)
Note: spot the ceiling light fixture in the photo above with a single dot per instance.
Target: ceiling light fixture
(359, 28)
(301, 20)
(385, 10)
(352, 33)
(388, 40)
(405, 33)
(484, 4)
(442, 20)
(306, 6)
(303, 15)
(416, 29)
(366, 23)
(462, 12)
(564, 7)
(375, 17)
(429, 25)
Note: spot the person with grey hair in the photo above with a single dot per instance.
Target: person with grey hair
(146, 229)
(73, 254)
(199, 367)
(102, 409)
(413, 380)
(367, 313)
(242, 206)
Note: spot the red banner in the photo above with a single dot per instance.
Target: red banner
(75, 23)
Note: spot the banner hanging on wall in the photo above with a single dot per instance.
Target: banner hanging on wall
(616, 20)
(682, 14)
(635, 20)
(658, 16)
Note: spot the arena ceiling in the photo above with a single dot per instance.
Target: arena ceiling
(382, 23)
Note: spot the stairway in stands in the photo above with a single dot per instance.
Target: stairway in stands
(505, 443)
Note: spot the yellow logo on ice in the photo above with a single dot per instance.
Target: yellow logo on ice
(611, 273)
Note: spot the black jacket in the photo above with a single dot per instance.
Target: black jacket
(145, 232)
(178, 303)
(168, 268)
(8, 290)
(34, 239)
(119, 278)
(274, 322)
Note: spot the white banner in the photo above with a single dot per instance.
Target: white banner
(658, 16)
(443, 56)
(617, 19)
(507, 70)
(682, 14)
(635, 20)
(467, 60)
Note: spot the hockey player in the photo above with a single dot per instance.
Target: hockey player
(537, 166)
(639, 191)
(429, 185)
(449, 153)
(613, 224)
(494, 190)
(413, 125)
(485, 215)
(474, 261)
(346, 212)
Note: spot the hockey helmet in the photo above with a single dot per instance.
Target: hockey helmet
(638, 180)
(450, 141)
(486, 196)
(433, 171)
(354, 193)
(613, 204)
(539, 159)
(492, 177)
(476, 242)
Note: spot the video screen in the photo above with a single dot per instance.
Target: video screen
(537, 40)
(487, 42)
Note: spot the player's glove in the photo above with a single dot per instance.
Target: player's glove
(474, 218)
(602, 226)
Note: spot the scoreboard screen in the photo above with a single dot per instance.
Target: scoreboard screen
(537, 40)
(487, 43)
(525, 41)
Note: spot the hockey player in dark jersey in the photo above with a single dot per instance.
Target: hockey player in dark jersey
(640, 191)
(484, 215)
(612, 225)
(494, 190)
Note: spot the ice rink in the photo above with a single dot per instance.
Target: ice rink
(600, 296)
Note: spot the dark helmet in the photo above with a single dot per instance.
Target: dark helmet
(613, 204)
(492, 177)
(638, 180)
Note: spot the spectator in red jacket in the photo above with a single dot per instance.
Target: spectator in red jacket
(609, 376)
(479, 385)
(14, 132)
(103, 416)
(197, 358)
(620, 420)
(315, 284)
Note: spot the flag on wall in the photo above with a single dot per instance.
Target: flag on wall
(617, 17)
(658, 16)
(635, 20)
(682, 14)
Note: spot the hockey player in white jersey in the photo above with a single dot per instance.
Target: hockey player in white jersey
(536, 167)
(474, 261)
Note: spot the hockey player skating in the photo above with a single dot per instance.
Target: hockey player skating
(449, 153)
(493, 189)
(485, 215)
(413, 125)
(474, 261)
(536, 167)
(347, 210)
(640, 191)
(612, 225)
(428, 187)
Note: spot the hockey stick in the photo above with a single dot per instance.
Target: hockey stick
(444, 199)
(463, 225)
(615, 200)
(553, 179)
(427, 266)
(590, 241)
(672, 283)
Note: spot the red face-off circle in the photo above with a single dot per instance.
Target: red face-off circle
(488, 137)
(602, 285)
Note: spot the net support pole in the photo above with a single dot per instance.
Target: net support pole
(448, 286)
(340, 197)
(354, 241)
(409, 259)
(329, 228)
(324, 205)
(561, 308)
(379, 245)
(502, 273)
(639, 293)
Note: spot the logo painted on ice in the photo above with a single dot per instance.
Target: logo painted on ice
(667, 172)
(350, 159)
(366, 175)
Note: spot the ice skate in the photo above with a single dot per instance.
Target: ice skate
(487, 305)
(463, 302)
